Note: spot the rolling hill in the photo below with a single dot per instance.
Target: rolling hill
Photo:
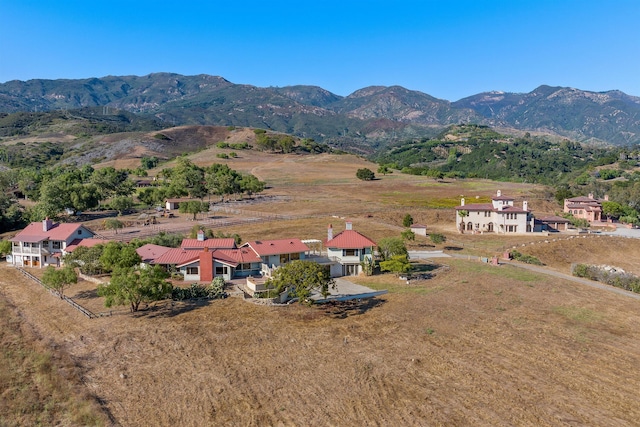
(362, 121)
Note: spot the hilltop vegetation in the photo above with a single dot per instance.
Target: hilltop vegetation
(362, 121)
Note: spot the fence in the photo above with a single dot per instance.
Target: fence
(52, 291)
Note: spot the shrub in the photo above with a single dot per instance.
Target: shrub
(437, 238)
(527, 259)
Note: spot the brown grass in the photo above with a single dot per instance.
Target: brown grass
(473, 345)
(39, 386)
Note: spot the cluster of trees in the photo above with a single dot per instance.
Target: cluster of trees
(81, 189)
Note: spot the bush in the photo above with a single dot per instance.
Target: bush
(437, 238)
(527, 259)
(609, 276)
(222, 155)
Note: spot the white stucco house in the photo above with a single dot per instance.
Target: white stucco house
(499, 216)
(348, 249)
(44, 243)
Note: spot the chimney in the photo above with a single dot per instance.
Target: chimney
(206, 265)
(591, 195)
(525, 206)
(606, 197)
(349, 226)
(499, 193)
(329, 233)
(201, 235)
(46, 224)
(462, 202)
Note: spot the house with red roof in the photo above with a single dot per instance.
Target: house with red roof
(588, 208)
(44, 243)
(274, 253)
(348, 249)
(202, 242)
(499, 216)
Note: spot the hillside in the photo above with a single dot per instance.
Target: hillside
(364, 120)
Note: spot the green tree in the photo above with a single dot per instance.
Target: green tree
(365, 174)
(132, 286)
(302, 278)
(407, 221)
(391, 246)
(193, 207)
(384, 169)
(119, 255)
(113, 224)
(5, 247)
(613, 210)
(149, 162)
(463, 213)
(121, 204)
(59, 279)
(408, 235)
(396, 264)
(86, 259)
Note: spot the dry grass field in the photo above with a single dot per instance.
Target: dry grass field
(473, 345)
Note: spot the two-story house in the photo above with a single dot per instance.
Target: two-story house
(348, 249)
(588, 208)
(43, 243)
(499, 216)
(275, 253)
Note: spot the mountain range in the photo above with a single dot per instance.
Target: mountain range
(364, 120)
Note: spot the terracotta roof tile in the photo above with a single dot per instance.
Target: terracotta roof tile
(150, 252)
(276, 247)
(229, 243)
(350, 239)
(176, 256)
(34, 232)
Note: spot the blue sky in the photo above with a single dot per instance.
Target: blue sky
(447, 49)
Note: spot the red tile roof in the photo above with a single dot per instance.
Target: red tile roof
(229, 243)
(35, 233)
(177, 256)
(240, 255)
(349, 239)
(276, 247)
(89, 243)
(150, 252)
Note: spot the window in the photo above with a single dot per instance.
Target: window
(294, 256)
(284, 258)
(245, 266)
(192, 270)
(487, 214)
(349, 252)
(220, 271)
(56, 245)
(79, 232)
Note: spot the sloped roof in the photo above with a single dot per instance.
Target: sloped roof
(35, 233)
(276, 247)
(503, 198)
(240, 255)
(176, 256)
(350, 239)
(89, 243)
(554, 218)
(150, 252)
(227, 243)
(511, 209)
(476, 207)
(418, 226)
(582, 199)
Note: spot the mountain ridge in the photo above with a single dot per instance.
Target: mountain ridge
(367, 117)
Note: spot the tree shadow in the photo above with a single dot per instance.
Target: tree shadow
(173, 308)
(344, 309)
(87, 294)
